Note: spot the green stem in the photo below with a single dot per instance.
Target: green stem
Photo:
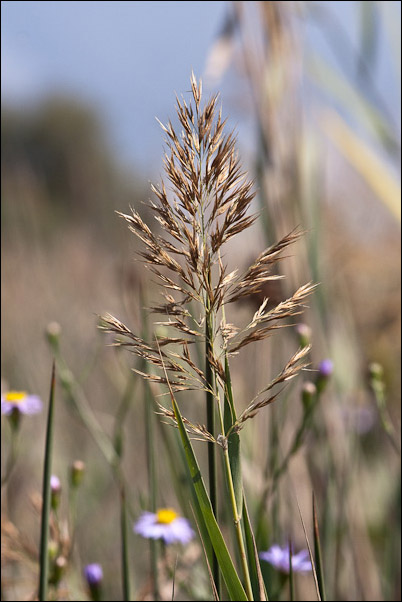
(152, 483)
(11, 458)
(210, 407)
(236, 515)
(124, 545)
(44, 560)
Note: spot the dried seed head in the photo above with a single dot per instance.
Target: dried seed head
(203, 202)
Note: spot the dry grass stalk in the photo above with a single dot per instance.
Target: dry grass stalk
(206, 204)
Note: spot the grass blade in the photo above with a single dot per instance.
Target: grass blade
(318, 555)
(211, 577)
(257, 581)
(230, 576)
(210, 411)
(227, 568)
(229, 418)
(310, 552)
(47, 469)
(124, 546)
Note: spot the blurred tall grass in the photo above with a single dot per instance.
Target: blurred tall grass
(325, 155)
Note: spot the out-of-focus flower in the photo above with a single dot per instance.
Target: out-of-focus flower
(279, 558)
(21, 402)
(58, 570)
(55, 491)
(55, 484)
(94, 576)
(77, 473)
(309, 392)
(165, 524)
(325, 370)
(360, 419)
(53, 331)
(304, 334)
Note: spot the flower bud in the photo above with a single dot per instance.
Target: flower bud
(94, 576)
(77, 473)
(55, 492)
(53, 331)
(52, 549)
(376, 371)
(59, 568)
(304, 334)
(325, 370)
(309, 392)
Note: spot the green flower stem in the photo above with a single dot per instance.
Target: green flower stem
(152, 481)
(150, 443)
(210, 407)
(124, 546)
(236, 515)
(44, 560)
(11, 458)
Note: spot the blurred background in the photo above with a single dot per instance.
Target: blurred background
(313, 90)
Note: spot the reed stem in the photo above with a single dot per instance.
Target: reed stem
(210, 408)
(43, 556)
(124, 546)
(236, 516)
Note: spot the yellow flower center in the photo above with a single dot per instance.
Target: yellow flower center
(166, 516)
(15, 396)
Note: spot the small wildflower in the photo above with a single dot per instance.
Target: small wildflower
(55, 491)
(16, 403)
(279, 558)
(94, 576)
(165, 524)
(21, 402)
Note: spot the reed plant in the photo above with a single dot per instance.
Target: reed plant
(205, 202)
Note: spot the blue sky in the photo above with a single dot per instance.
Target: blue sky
(126, 58)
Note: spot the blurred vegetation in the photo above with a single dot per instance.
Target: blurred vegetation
(326, 155)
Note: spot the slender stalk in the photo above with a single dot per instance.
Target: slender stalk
(236, 516)
(210, 407)
(11, 458)
(152, 483)
(124, 546)
(151, 464)
(318, 555)
(44, 561)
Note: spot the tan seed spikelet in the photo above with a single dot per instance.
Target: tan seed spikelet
(204, 200)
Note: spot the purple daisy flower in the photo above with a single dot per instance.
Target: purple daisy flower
(279, 558)
(21, 402)
(165, 524)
